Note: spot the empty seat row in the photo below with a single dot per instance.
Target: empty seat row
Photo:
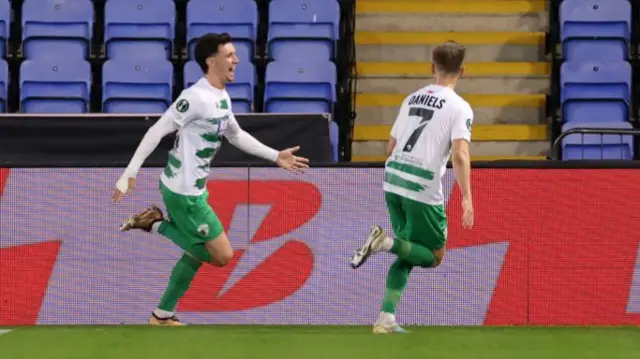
(596, 91)
(596, 79)
(146, 28)
(596, 94)
(595, 29)
(130, 86)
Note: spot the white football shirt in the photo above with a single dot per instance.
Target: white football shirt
(428, 121)
(203, 115)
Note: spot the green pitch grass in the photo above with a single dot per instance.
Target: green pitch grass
(294, 342)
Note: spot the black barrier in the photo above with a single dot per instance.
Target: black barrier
(99, 140)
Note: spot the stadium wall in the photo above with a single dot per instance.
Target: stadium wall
(551, 246)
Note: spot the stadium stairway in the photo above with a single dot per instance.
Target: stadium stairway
(506, 78)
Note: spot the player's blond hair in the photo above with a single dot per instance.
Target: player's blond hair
(448, 58)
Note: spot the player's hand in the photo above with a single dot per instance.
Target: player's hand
(289, 161)
(124, 187)
(467, 213)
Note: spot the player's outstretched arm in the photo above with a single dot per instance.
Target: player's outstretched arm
(164, 126)
(249, 144)
(460, 139)
(462, 170)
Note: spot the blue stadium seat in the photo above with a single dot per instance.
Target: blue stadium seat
(239, 18)
(55, 86)
(296, 87)
(308, 28)
(192, 73)
(5, 20)
(595, 29)
(57, 29)
(136, 86)
(139, 28)
(4, 85)
(596, 147)
(595, 91)
(241, 90)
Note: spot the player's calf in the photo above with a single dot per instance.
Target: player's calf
(144, 220)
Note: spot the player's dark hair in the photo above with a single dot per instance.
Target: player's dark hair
(207, 46)
(448, 57)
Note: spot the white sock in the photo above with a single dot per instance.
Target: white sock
(156, 227)
(162, 314)
(387, 244)
(386, 318)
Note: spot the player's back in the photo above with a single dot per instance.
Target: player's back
(423, 130)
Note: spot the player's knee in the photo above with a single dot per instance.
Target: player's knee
(438, 256)
(222, 258)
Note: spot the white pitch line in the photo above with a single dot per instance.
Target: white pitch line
(5, 331)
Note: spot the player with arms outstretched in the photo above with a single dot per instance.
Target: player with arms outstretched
(201, 115)
(433, 124)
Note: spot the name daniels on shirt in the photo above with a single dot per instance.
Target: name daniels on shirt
(426, 100)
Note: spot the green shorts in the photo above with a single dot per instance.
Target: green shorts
(417, 222)
(192, 215)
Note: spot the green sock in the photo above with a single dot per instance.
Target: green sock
(396, 283)
(170, 231)
(413, 254)
(181, 276)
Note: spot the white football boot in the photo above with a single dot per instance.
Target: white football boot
(372, 245)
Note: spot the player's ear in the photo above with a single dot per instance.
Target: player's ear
(461, 71)
(433, 68)
(210, 61)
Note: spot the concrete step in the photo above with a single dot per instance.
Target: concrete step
(451, 22)
(481, 46)
(373, 109)
(481, 69)
(451, 15)
(480, 78)
(488, 148)
(475, 85)
(451, 6)
(479, 132)
(482, 115)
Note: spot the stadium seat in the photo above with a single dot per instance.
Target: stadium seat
(5, 21)
(296, 87)
(595, 91)
(241, 90)
(596, 146)
(4, 85)
(139, 28)
(134, 86)
(239, 18)
(595, 29)
(56, 29)
(303, 29)
(55, 86)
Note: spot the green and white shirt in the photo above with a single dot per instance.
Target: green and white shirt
(201, 115)
(428, 121)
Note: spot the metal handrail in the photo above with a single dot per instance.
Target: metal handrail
(590, 131)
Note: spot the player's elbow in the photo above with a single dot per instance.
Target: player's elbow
(460, 156)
